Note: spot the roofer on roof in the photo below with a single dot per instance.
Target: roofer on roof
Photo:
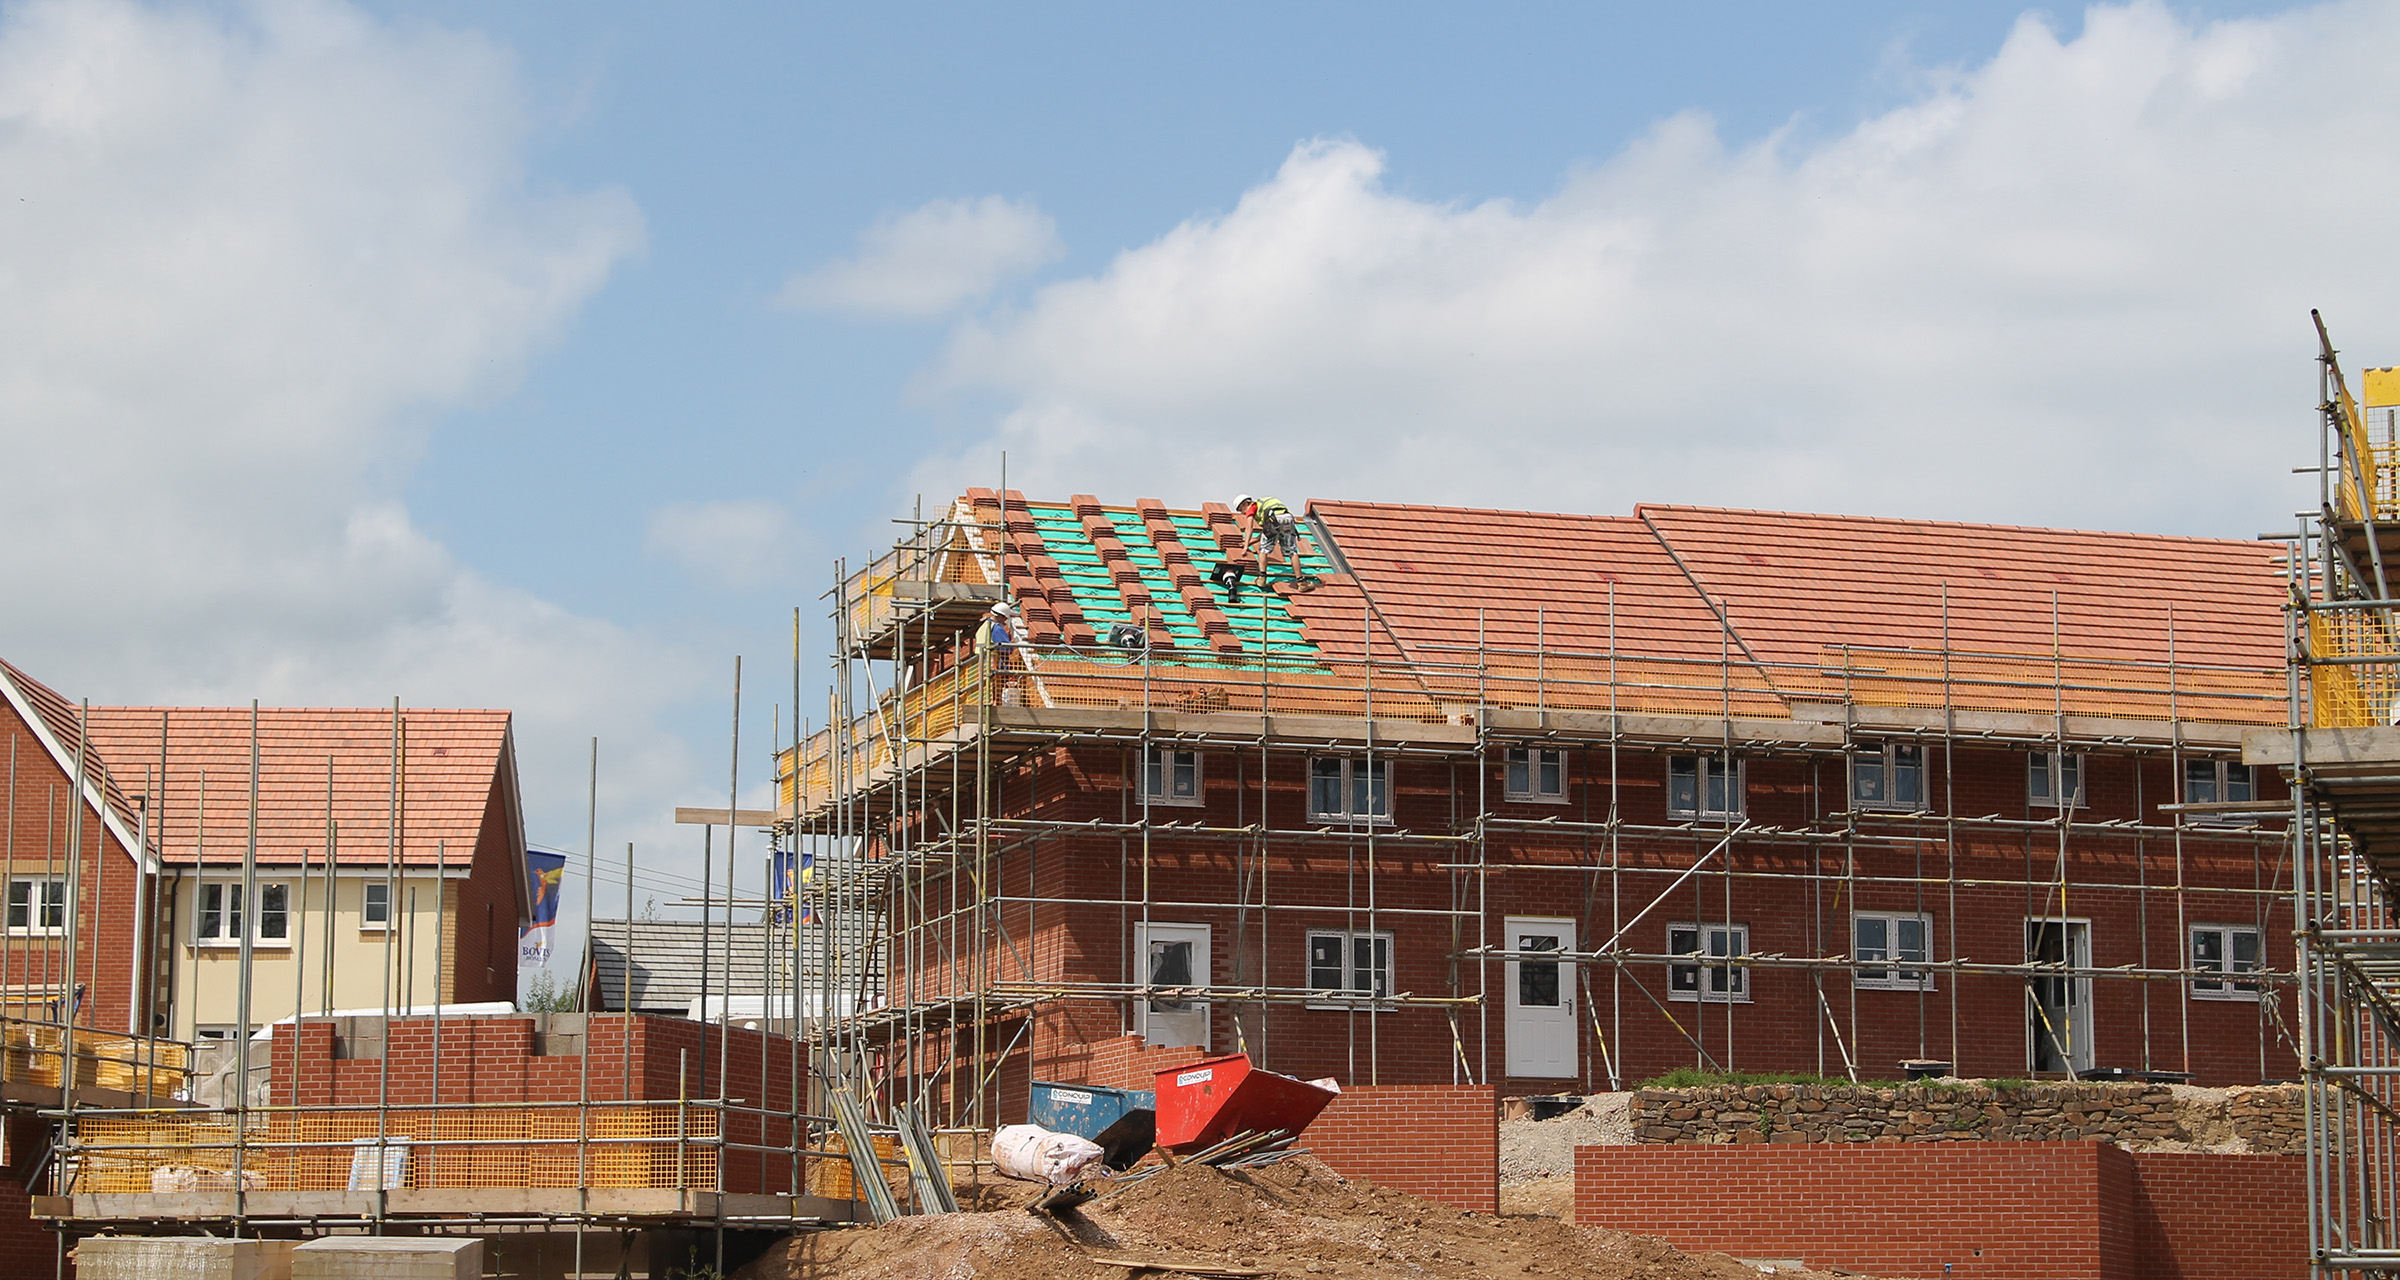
(1273, 524)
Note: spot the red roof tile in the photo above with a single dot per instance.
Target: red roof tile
(459, 762)
(1796, 583)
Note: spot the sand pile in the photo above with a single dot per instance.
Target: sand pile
(1297, 1218)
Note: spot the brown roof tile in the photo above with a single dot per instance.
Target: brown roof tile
(457, 762)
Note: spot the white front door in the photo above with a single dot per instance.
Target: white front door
(2059, 1010)
(1541, 999)
(1171, 955)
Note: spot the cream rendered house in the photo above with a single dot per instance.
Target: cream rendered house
(423, 896)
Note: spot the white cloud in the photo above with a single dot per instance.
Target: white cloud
(931, 260)
(244, 255)
(2071, 284)
(737, 544)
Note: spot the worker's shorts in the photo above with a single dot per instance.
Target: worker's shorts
(1284, 537)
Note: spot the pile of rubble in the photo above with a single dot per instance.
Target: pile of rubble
(1296, 1218)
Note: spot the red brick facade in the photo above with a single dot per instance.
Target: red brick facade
(1794, 897)
(38, 826)
(1973, 1210)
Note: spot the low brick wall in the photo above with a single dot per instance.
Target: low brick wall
(1990, 1210)
(2267, 1119)
(1441, 1142)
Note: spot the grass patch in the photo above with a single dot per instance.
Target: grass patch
(1694, 1078)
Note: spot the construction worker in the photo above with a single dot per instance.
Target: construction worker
(995, 641)
(1276, 529)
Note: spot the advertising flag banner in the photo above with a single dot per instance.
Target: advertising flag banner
(549, 876)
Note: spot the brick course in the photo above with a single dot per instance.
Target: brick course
(1983, 1210)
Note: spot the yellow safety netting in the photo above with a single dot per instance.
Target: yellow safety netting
(302, 1149)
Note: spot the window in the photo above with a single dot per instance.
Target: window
(1537, 774)
(1350, 963)
(213, 1033)
(375, 909)
(1898, 939)
(1891, 776)
(1348, 790)
(1722, 981)
(222, 915)
(37, 906)
(2049, 775)
(2217, 782)
(2226, 949)
(1171, 777)
(1704, 786)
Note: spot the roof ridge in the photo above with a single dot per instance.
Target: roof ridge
(1643, 508)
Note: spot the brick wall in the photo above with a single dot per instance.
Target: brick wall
(1452, 1151)
(37, 818)
(1960, 1211)
(27, 1248)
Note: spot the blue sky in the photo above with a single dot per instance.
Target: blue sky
(544, 355)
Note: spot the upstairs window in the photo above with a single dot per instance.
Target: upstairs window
(2225, 949)
(1171, 777)
(222, 916)
(1885, 938)
(1343, 789)
(1703, 980)
(2218, 782)
(37, 906)
(1350, 963)
(1537, 774)
(2049, 775)
(1889, 776)
(1704, 787)
(375, 905)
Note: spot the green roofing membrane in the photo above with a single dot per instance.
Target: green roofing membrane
(1096, 593)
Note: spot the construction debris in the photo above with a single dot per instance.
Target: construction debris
(1296, 1217)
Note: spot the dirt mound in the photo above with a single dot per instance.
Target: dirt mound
(1295, 1218)
(1534, 1149)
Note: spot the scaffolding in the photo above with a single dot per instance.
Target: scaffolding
(2341, 750)
(938, 871)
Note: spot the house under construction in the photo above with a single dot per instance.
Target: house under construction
(1545, 802)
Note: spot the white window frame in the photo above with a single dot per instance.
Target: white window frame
(1161, 767)
(2037, 779)
(229, 891)
(1893, 977)
(1704, 769)
(1886, 758)
(1522, 770)
(1353, 771)
(2228, 988)
(53, 897)
(1719, 941)
(2223, 776)
(213, 1033)
(366, 895)
(1375, 993)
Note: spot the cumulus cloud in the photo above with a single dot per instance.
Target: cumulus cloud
(245, 255)
(2069, 284)
(738, 544)
(931, 260)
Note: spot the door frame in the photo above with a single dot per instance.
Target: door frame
(2080, 1052)
(1569, 974)
(1143, 934)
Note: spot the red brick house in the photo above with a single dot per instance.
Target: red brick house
(1778, 792)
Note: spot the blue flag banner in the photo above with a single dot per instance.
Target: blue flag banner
(789, 881)
(549, 873)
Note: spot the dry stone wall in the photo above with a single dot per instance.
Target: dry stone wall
(2264, 1120)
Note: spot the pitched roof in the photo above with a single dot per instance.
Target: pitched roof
(1796, 583)
(55, 720)
(457, 762)
(667, 962)
(1796, 597)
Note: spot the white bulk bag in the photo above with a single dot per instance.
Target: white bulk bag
(1035, 1154)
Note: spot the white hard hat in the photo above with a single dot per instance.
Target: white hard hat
(1240, 501)
(1003, 609)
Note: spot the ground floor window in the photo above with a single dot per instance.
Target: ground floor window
(1898, 938)
(1707, 981)
(2225, 949)
(1353, 962)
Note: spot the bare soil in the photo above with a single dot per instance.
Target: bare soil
(1297, 1218)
